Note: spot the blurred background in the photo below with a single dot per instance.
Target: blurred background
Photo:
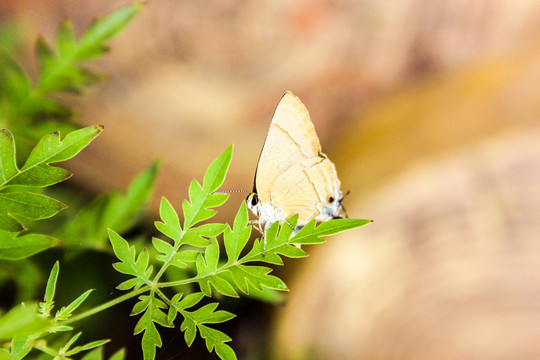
(431, 112)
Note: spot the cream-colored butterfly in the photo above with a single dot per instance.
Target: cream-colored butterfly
(293, 176)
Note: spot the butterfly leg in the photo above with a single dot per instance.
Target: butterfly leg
(257, 225)
(266, 226)
(296, 230)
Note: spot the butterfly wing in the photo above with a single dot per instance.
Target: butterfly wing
(306, 189)
(291, 139)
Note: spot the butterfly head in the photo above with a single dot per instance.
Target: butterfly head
(331, 208)
(253, 203)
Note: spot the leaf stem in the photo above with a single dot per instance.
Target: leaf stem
(106, 305)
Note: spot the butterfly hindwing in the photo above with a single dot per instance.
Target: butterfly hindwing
(305, 189)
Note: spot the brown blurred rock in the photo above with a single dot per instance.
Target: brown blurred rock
(449, 170)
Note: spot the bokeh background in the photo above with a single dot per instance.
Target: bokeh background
(431, 112)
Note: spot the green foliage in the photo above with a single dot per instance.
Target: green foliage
(21, 321)
(88, 228)
(23, 103)
(20, 196)
(195, 247)
(188, 252)
(192, 248)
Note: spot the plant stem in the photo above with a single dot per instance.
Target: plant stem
(106, 305)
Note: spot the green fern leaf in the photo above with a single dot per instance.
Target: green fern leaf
(257, 276)
(207, 266)
(202, 198)
(129, 265)
(65, 312)
(14, 246)
(14, 83)
(21, 321)
(310, 234)
(170, 224)
(153, 314)
(235, 239)
(46, 306)
(215, 339)
(59, 72)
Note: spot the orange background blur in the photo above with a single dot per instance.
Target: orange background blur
(431, 112)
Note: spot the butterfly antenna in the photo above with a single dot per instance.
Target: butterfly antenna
(230, 191)
(345, 211)
(343, 206)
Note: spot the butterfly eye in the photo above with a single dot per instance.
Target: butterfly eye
(254, 200)
(330, 199)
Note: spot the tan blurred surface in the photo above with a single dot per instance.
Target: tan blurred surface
(450, 269)
(449, 168)
(430, 110)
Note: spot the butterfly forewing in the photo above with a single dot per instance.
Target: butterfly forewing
(291, 139)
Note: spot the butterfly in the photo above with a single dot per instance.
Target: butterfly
(293, 176)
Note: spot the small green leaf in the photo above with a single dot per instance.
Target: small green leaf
(14, 83)
(235, 239)
(51, 149)
(36, 171)
(153, 314)
(312, 235)
(128, 284)
(96, 354)
(6, 355)
(206, 271)
(8, 166)
(276, 244)
(215, 175)
(92, 41)
(190, 300)
(128, 265)
(65, 40)
(51, 283)
(170, 224)
(190, 331)
(20, 347)
(71, 341)
(141, 305)
(257, 276)
(162, 247)
(208, 315)
(194, 239)
(45, 56)
(22, 321)
(15, 247)
(202, 199)
(208, 230)
(47, 305)
(65, 312)
(173, 309)
(185, 258)
(86, 347)
(30, 205)
(215, 340)
(119, 355)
